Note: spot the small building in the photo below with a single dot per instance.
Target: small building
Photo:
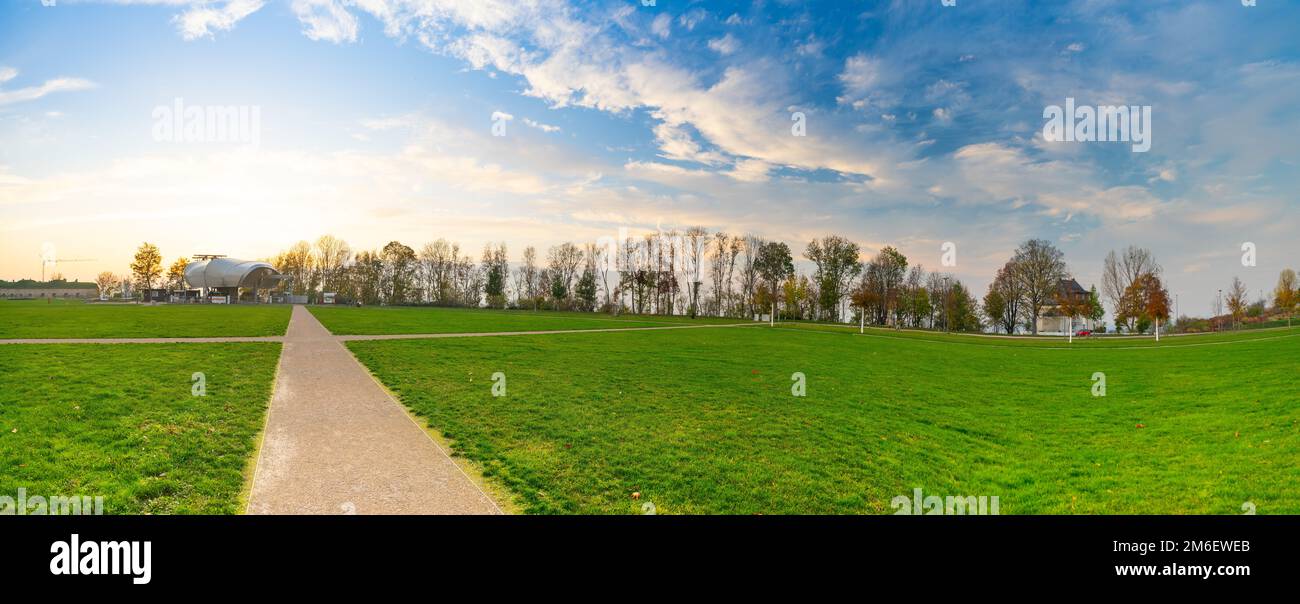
(1052, 320)
(28, 288)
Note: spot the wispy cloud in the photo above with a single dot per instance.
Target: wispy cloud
(31, 93)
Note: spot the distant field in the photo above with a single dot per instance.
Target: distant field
(703, 421)
(1099, 341)
(43, 301)
(37, 319)
(426, 319)
(120, 421)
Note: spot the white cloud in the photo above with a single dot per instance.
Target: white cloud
(326, 20)
(993, 173)
(662, 25)
(811, 48)
(540, 126)
(860, 79)
(725, 45)
(32, 93)
(202, 20)
(567, 60)
(7, 73)
(676, 143)
(750, 170)
(691, 19)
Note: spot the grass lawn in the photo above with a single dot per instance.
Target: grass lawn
(120, 421)
(370, 320)
(703, 421)
(37, 319)
(1100, 341)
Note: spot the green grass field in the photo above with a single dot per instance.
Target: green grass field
(703, 421)
(366, 320)
(37, 319)
(120, 421)
(1059, 342)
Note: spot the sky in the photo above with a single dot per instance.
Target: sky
(378, 120)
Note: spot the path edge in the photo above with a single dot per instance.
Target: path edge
(254, 461)
(496, 492)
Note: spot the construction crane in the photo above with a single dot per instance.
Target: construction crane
(55, 261)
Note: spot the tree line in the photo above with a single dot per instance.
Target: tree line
(695, 272)
(691, 272)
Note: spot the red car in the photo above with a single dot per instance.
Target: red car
(1083, 333)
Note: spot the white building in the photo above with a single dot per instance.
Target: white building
(220, 276)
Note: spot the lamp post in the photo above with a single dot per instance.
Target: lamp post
(1218, 310)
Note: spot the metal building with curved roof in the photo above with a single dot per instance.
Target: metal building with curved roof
(225, 273)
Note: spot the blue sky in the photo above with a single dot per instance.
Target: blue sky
(924, 125)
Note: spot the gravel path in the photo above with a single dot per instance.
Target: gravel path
(337, 443)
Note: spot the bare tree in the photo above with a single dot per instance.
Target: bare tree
(563, 261)
(604, 258)
(332, 255)
(748, 273)
(106, 282)
(1120, 271)
(526, 278)
(1039, 269)
(298, 263)
(733, 252)
(696, 240)
(627, 272)
(1237, 301)
(718, 270)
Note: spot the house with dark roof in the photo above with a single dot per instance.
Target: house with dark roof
(1052, 319)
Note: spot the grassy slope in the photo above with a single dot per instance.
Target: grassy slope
(33, 319)
(119, 421)
(702, 421)
(407, 319)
